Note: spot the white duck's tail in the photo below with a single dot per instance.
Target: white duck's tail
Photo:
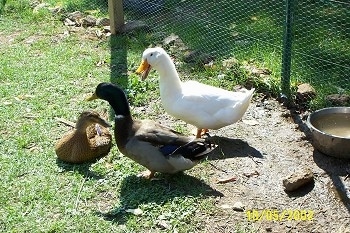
(244, 103)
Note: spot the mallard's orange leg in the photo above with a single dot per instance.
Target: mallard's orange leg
(201, 132)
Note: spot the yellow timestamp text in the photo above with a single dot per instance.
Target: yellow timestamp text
(279, 215)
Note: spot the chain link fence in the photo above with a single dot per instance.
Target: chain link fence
(256, 31)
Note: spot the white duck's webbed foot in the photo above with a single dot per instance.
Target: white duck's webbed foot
(201, 132)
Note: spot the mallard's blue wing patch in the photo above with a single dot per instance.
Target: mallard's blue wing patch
(168, 149)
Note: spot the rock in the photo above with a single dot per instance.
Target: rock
(305, 92)
(134, 26)
(225, 206)
(338, 99)
(134, 211)
(170, 39)
(238, 206)
(229, 63)
(75, 16)
(101, 22)
(298, 179)
(68, 22)
(55, 10)
(106, 29)
(197, 56)
(88, 21)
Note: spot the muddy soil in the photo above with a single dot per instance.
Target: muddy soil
(270, 143)
(266, 146)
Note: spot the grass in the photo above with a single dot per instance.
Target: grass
(46, 71)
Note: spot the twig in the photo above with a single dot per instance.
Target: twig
(217, 168)
(256, 162)
(346, 177)
(66, 122)
(78, 196)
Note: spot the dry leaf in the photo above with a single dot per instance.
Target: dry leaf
(226, 180)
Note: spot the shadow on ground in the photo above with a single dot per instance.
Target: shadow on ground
(231, 148)
(83, 169)
(335, 169)
(135, 191)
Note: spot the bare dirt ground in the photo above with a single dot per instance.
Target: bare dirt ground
(260, 151)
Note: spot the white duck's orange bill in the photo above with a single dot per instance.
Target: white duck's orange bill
(144, 69)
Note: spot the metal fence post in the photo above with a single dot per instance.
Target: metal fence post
(116, 15)
(287, 49)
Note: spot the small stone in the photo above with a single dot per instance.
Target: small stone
(225, 206)
(305, 92)
(229, 63)
(134, 211)
(238, 206)
(134, 26)
(197, 56)
(55, 10)
(338, 99)
(68, 22)
(298, 179)
(99, 34)
(89, 21)
(106, 29)
(170, 39)
(101, 22)
(162, 224)
(75, 16)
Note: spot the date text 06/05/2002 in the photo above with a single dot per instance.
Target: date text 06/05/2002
(277, 215)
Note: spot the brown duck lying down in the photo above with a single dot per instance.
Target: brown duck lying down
(88, 142)
(156, 147)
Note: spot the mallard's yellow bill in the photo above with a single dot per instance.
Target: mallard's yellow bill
(92, 97)
(144, 69)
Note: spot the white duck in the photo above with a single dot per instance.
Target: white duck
(203, 106)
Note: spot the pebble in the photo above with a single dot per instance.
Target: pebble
(298, 179)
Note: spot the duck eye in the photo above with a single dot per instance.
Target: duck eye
(151, 54)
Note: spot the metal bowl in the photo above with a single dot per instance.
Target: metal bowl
(330, 130)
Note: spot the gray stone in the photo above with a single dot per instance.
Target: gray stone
(305, 92)
(338, 99)
(101, 22)
(88, 21)
(132, 26)
(298, 179)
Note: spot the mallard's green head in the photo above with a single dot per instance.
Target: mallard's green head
(114, 95)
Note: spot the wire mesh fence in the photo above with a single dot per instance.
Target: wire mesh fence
(253, 31)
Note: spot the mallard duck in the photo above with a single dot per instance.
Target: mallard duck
(154, 146)
(89, 141)
(203, 106)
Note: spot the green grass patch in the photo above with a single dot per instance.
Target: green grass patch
(47, 69)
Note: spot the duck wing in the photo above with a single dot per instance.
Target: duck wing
(159, 135)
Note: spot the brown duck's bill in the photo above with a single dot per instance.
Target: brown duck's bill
(92, 97)
(144, 69)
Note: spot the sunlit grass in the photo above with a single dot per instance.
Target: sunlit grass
(46, 72)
